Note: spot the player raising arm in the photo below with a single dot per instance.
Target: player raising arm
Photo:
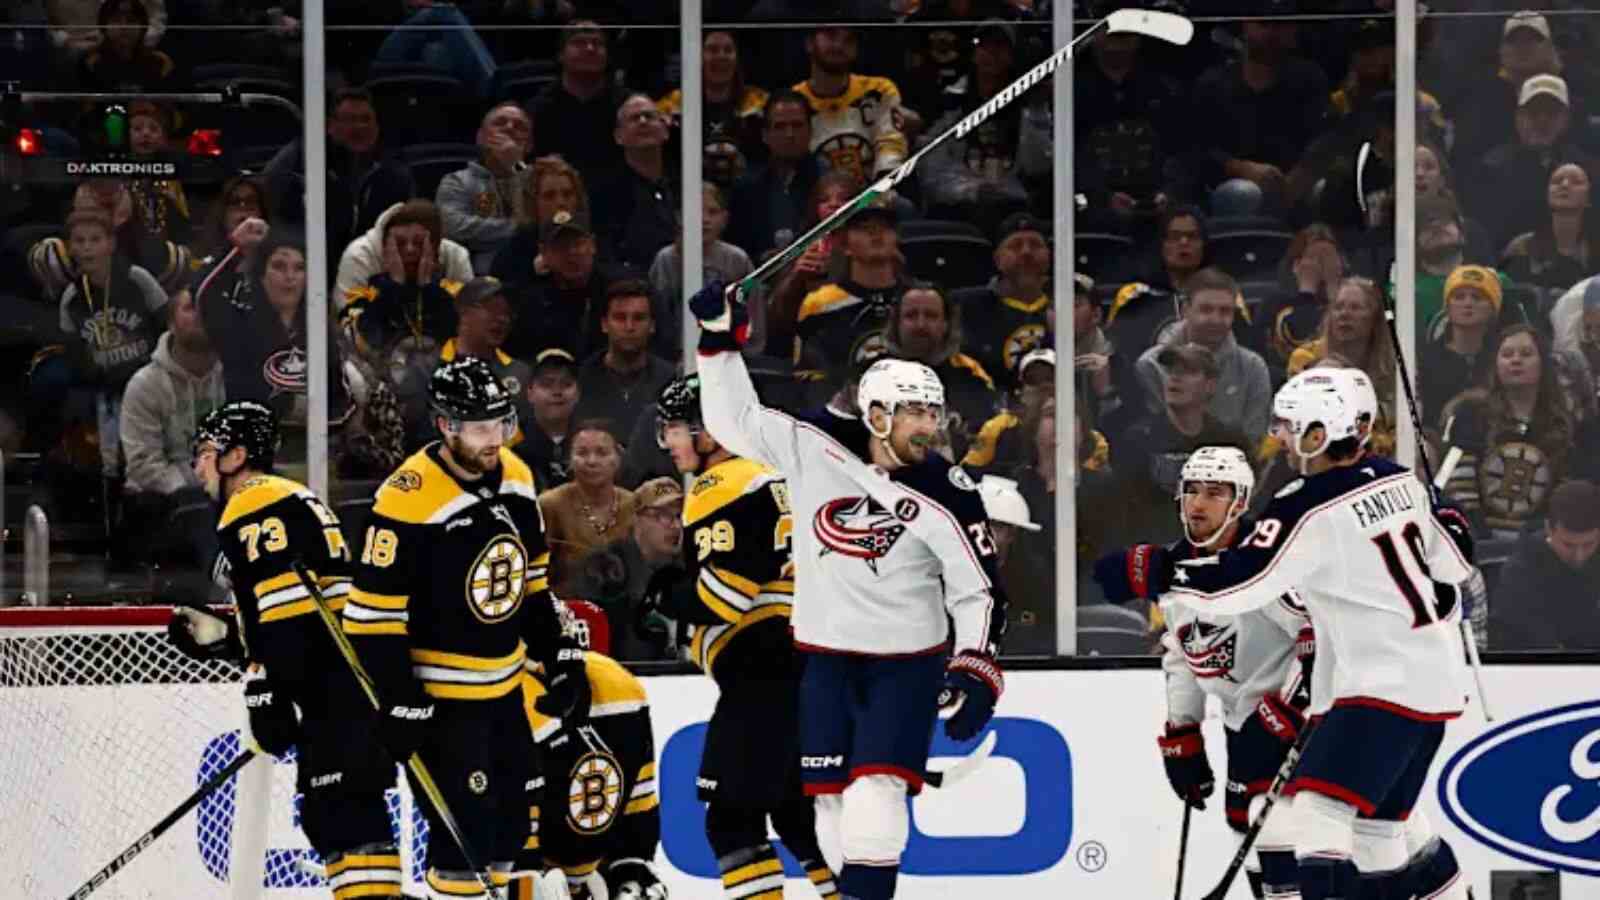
(297, 693)
(450, 599)
(1256, 664)
(891, 544)
(1358, 539)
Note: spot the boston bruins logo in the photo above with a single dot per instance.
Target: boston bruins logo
(496, 580)
(1517, 479)
(595, 795)
(1019, 342)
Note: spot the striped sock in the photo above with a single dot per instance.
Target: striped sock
(453, 885)
(370, 872)
(821, 878)
(753, 873)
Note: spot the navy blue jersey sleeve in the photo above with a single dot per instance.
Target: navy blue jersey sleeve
(956, 529)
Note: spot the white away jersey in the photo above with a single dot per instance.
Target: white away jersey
(880, 559)
(1378, 574)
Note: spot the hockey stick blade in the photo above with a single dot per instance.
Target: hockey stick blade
(1447, 468)
(966, 766)
(1160, 25)
(149, 837)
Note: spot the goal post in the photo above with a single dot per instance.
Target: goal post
(105, 727)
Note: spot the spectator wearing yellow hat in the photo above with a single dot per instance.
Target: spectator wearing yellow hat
(1459, 358)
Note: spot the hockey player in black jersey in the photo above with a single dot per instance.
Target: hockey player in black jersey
(296, 692)
(735, 594)
(450, 599)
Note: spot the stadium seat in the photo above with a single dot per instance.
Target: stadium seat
(1248, 253)
(14, 257)
(917, 228)
(391, 69)
(1105, 629)
(254, 159)
(1099, 254)
(950, 260)
(247, 79)
(415, 109)
(430, 163)
(525, 80)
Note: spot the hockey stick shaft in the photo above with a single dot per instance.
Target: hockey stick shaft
(418, 769)
(1446, 469)
(1290, 761)
(1165, 26)
(1403, 371)
(211, 786)
(1183, 851)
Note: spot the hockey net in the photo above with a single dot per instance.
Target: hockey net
(105, 727)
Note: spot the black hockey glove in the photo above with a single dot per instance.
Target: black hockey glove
(972, 684)
(723, 325)
(566, 687)
(634, 879)
(204, 635)
(652, 618)
(1183, 752)
(403, 726)
(273, 722)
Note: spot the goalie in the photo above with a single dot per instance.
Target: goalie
(296, 692)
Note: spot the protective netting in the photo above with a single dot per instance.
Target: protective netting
(104, 729)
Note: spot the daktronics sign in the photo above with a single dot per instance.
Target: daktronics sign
(91, 168)
(1029, 782)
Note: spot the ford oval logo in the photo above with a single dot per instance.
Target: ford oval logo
(1531, 788)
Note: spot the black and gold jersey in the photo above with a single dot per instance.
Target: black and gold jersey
(267, 524)
(596, 794)
(451, 581)
(997, 330)
(736, 530)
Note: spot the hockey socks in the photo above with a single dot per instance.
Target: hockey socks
(753, 873)
(862, 882)
(1280, 875)
(368, 872)
(821, 878)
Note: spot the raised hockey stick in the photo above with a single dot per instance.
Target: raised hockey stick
(1446, 469)
(419, 771)
(149, 837)
(1290, 760)
(1183, 851)
(1169, 27)
(965, 767)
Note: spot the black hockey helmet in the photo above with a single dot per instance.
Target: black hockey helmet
(466, 390)
(679, 400)
(241, 423)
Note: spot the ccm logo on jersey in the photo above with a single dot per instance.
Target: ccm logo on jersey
(1531, 788)
(820, 762)
(858, 527)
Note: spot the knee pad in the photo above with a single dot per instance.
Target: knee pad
(1419, 833)
(730, 830)
(876, 822)
(1323, 827)
(1379, 847)
(336, 821)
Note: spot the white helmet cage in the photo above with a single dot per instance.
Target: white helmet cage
(891, 382)
(1223, 465)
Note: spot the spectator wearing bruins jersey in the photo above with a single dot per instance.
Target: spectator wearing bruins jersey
(450, 599)
(267, 524)
(842, 322)
(595, 815)
(854, 125)
(1007, 317)
(735, 596)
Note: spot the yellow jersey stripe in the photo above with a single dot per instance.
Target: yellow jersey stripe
(364, 861)
(716, 604)
(452, 887)
(396, 628)
(278, 582)
(648, 770)
(378, 601)
(746, 872)
(299, 608)
(738, 582)
(370, 889)
(451, 691)
(463, 661)
(643, 804)
(718, 644)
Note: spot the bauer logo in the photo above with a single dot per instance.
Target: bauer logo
(1531, 788)
(1030, 774)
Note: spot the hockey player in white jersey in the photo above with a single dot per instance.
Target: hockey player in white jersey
(1257, 665)
(1379, 570)
(890, 546)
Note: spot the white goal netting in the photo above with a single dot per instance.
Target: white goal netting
(105, 727)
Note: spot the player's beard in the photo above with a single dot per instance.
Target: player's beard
(475, 460)
(911, 448)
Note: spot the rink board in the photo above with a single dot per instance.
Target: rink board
(1074, 802)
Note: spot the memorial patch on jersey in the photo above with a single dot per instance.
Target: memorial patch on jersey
(497, 578)
(857, 527)
(1210, 650)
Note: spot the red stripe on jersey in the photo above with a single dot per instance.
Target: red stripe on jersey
(826, 787)
(830, 651)
(1329, 789)
(1405, 712)
(912, 779)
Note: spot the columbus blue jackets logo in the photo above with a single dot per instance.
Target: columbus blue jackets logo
(285, 371)
(1209, 649)
(857, 527)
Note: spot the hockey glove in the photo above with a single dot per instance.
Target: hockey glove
(972, 684)
(404, 725)
(723, 325)
(1456, 525)
(1142, 570)
(202, 634)
(273, 722)
(566, 687)
(1183, 752)
(1279, 718)
(652, 621)
(634, 879)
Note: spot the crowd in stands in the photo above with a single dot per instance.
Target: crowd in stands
(514, 195)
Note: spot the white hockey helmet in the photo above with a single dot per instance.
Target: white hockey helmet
(1002, 502)
(1224, 465)
(1342, 401)
(891, 382)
